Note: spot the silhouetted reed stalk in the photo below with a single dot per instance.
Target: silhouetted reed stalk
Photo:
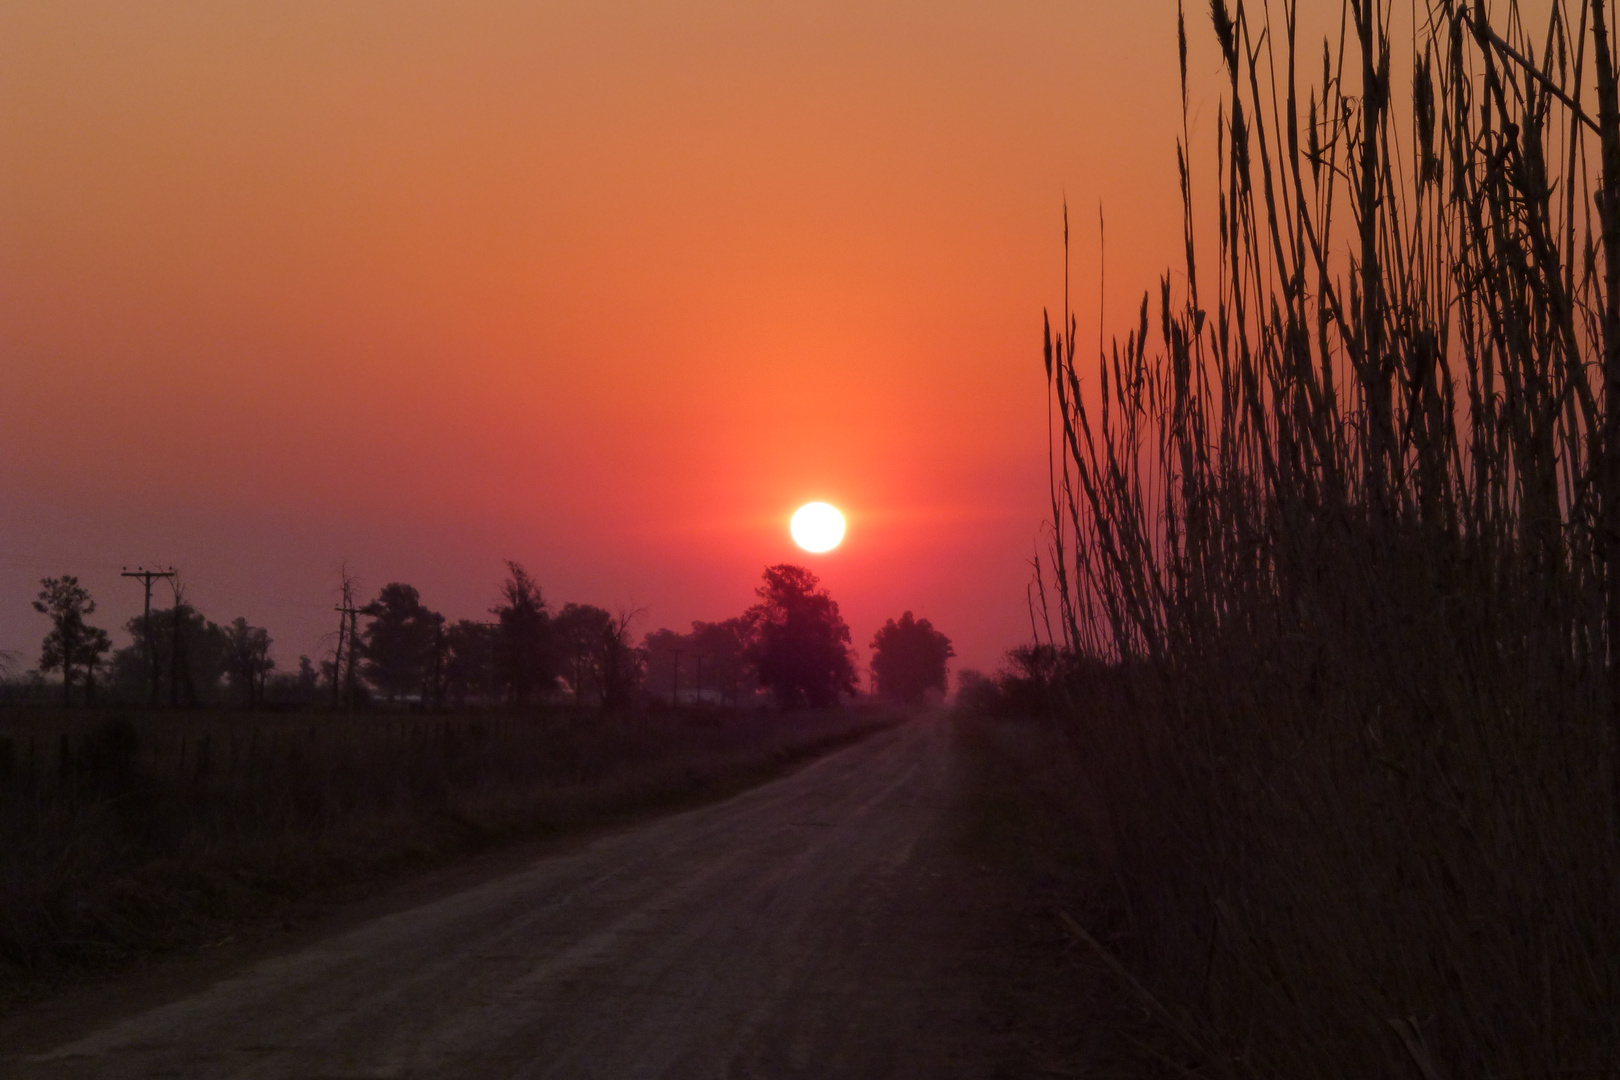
(1350, 530)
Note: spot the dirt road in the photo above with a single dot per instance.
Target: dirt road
(803, 929)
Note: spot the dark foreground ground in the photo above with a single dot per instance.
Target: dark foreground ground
(869, 915)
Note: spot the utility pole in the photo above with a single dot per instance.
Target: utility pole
(346, 613)
(147, 577)
(174, 645)
(675, 689)
(700, 679)
(354, 656)
(337, 659)
(353, 616)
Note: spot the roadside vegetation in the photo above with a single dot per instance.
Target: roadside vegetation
(158, 800)
(126, 833)
(1333, 589)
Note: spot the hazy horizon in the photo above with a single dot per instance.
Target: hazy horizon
(605, 289)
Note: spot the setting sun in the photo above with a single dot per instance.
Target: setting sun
(817, 527)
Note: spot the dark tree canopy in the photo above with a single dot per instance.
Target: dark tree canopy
(247, 660)
(469, 664)
(599, 662)
(400, 642)
(706, 665)
(72, 643)
(909, 659)
(618, 662)
(524, 659)
(299, 687)
(577, 631)
(192, 671)
(92, 647)
(722, 674)
(663, 651)
(799, 646)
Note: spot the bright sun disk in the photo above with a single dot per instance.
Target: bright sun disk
(817, 527)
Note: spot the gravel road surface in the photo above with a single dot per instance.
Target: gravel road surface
(802, 929)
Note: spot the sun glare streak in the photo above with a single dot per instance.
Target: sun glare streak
(817, 527)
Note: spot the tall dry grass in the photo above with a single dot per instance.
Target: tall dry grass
(1343, 514)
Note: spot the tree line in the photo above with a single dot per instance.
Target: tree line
(791, 648)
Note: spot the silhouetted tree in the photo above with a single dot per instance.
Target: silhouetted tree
(600, 662)
(662, 651)
(202, 655)
(247, 660)
(1035, 680)
(125, 673)
(619, 663)
(577, 630)
(72, 643)
(798, 648)
(469, 665)
(193, 670)
(399, 642)
(719, 671)
(301, 687)
(524, 656)
(909, 659)
(94, 646)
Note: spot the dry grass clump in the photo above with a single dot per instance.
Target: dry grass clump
(132, 833)
(1349, 534)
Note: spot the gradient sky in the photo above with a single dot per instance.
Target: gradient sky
(605, 286)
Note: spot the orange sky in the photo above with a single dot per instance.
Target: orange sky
(607, 287)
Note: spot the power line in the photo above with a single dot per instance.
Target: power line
(147, 577)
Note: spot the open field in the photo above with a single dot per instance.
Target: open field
(125, 834)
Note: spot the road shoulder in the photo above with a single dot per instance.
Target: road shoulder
(1048, 1008)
